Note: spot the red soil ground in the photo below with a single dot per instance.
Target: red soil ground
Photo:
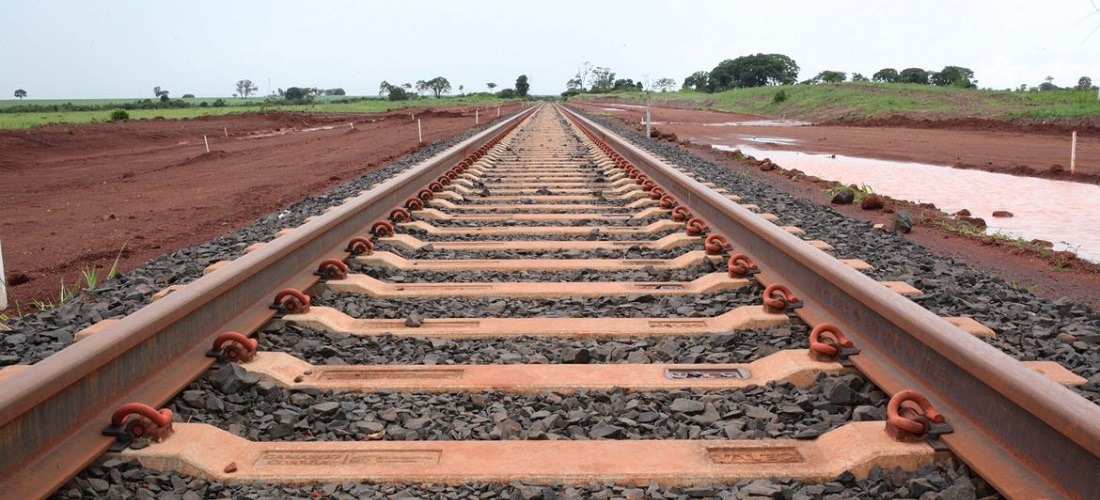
(72, 196)
(967, 143)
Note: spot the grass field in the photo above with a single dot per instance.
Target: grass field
(322, 105)
(870, 100)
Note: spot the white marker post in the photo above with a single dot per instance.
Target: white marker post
(1073, 154)
(498, 111)
(205, 140)
(419, 132)
(477, 116)
(648, 116)
(226, 130)
(3, 284)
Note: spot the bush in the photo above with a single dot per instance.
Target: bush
(219, 103)
(203, 104)
(118, 115)
(188, 96)
(779, 97)
(398, 94)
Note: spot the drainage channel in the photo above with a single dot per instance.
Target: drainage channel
(628, 343)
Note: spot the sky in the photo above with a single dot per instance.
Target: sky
(57, 49)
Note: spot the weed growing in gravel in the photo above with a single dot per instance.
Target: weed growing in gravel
(67, 293)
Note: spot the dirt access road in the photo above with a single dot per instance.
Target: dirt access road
(992, 146)
(72, 196)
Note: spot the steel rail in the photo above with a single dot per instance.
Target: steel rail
(52, 414)
(1029, 437)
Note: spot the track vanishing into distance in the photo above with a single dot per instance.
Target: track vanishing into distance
(548, 227)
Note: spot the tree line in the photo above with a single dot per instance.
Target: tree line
(601, 79)
(439, 85)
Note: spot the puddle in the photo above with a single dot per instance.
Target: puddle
(1066, 213)
(760, 123)
(787, 141)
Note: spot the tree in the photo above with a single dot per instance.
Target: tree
(296, 93)
(491, 86)
(385, 88)
(1048, 84)
(858, 77)
(753, 71)
(460, 89)
(602, 79)
(522, 86)
(397, 93)
(1084, 83)
(161, 94)
(438, 86)
(953, 76)
(829, 76)
(664, 84)
(582, 75)
(246, 87)
(507, 94)
(20, 93)
(886, 75)
(913, 75)
(335, 91)
(625, 84)
(696, 81)
(421, 86)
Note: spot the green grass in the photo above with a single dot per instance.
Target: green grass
(871, 100)
(321, 105)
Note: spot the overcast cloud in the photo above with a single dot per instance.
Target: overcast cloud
(83, 49)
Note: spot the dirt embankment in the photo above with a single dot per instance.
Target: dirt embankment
(75, 195)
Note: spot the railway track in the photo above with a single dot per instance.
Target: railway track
(540, 231)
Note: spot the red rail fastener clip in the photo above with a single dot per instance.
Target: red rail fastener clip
(667, 201)
(741, 266)
(906, 423)
(716, 244)
(382, 229)
(657, 193)
(359, 246)
(149, 424)
(291, 301)
(435, 186)
(400, 215)
(233, 347)
(413, 204)
(780, 298)
(425, 195)
(828, 343)
(333, 269)
(695, 226)
(681, 214)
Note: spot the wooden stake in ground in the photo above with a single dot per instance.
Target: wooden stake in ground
(3, 284)
(1073, 154)
(226, 130)
(477, 116)
(419, 132)
(207, 142)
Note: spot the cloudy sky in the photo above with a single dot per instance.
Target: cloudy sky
(110, 48)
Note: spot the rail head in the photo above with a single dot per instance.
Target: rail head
(1027, 435)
